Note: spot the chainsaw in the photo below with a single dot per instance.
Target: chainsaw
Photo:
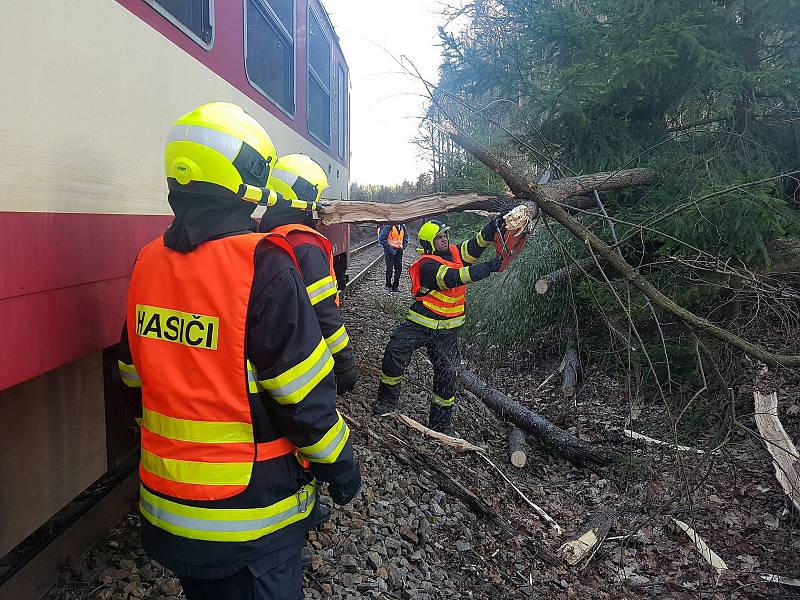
(509, 243)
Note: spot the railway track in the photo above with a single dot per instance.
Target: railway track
(362, 259)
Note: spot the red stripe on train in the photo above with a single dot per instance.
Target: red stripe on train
(63, 285)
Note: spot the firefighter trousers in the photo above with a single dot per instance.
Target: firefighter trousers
(442, 347)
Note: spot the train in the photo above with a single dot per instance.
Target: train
(89, 91)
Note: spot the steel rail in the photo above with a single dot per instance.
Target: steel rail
(363, 247)
(361, 273)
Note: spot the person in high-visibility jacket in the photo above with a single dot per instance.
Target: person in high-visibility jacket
(239, 419)
(394, 240)
(438, 283)
(299, 182)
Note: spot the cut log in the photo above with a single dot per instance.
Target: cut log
(347, 211)
(785, 458)
(517, 446)
(558, 277)
(568, 187)
(554, 439)
(569, 377)
(592, 534)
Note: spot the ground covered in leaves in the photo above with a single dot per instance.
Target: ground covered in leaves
(406, 537)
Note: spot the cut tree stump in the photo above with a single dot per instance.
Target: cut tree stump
(569, 381)
(593, 533)
(554, 439)
(516, 446)
(785, 458)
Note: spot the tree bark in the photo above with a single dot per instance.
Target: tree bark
(571, 272)
(347, 211)
(560, 189)
(554, 439)
(526, 190)
(516, 446)
(569, 379)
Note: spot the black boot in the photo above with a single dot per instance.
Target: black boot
(383, 405)
(441, 418)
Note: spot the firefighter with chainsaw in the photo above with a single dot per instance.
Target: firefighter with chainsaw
(438, 283)
(299, 182)
(239, 419)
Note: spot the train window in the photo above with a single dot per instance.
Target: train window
(284, 10)
(269, 50)
(194, 17)
(342, 102)
(319, 81)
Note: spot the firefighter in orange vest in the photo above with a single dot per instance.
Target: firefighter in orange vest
(438, 283)
(394, 240)
(299, 182)
(239, 419)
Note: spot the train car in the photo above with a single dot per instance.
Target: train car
(89, 89)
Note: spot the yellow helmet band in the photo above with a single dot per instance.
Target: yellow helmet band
(224, 143)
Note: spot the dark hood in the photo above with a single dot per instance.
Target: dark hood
(283, 214)
(199, 218)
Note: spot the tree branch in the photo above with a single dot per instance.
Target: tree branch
(526, 190)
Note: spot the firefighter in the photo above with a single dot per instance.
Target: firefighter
(394, 240)
(239, 419)
(438, 283)
(300, 181)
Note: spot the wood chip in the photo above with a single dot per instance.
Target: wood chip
(711, 557)
(784, 454)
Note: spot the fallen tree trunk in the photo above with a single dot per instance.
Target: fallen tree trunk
(526, 190)
(594, 532)
(516, 447)
(554, 439)
(348, 211)
(558, 277)
(784, 455)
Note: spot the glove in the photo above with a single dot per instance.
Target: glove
(500, 223)
(346, 381)
(343, 493)
(345, 371)
(494, 264)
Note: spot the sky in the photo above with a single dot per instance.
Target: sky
(385, 103)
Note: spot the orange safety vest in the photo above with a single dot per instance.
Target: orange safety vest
(445, 303)
(315, 237)
(396, 236)
(187, 317)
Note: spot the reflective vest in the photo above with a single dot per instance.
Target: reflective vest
(187, 319)
(447, 304)
(326, 287)
(396, 235)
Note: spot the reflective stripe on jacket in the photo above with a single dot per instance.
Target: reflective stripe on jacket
(326, 287)
(447, 305)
